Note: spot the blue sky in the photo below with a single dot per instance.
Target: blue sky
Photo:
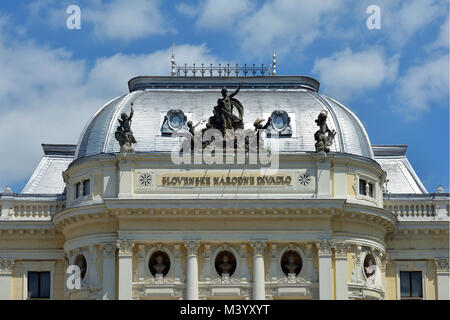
(395, 79)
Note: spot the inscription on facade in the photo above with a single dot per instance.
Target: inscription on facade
(224, 181)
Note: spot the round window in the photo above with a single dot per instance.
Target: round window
(291, 262)
(225, 263)
(176, 119)
(80, 261)
(159, 263)
(280, 120)
(370, 265)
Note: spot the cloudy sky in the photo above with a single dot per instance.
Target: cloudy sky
(396, 79)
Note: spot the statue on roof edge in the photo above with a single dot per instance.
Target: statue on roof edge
(124, 134)
(324, 136)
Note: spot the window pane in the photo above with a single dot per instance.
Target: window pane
(77, 190)
(362, 187)
(404, 284)
(86, 187)
(45, 285)
(416, 284)
(371, 190)
(33, 284)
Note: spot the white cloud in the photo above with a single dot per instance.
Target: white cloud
(111, 74)
(402, 20)
(345, 73)
(127, 20)
(442, 40)
(187, 9)
(286, 24)
(423, 85)
(222, 14)
(47, 97)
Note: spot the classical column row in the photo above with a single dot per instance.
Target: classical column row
(125, 255)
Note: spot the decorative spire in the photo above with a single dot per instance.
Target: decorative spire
(174, 71)
(274, 63)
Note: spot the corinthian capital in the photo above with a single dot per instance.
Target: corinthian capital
(125, 247)
(6, 266)
(442, 265)
(258, 247)
(341, 249)
(324, 247)
(192, 247)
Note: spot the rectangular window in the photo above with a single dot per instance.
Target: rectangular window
(77, 190)
(411, 284)
(371, 190)
(362, 187)
(86, 187)
(39, 285)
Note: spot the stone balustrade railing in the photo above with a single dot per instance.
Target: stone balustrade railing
(418, 206)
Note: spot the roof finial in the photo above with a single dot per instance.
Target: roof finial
(274, 63)
(174, 71)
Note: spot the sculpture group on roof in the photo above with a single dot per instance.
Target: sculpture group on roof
(230, 125)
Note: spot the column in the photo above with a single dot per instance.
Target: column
(442, 273)
(125, 269)
(340, 255)
(258, 270)
(206, 273)
(6, 268)
(192, 270)
(92, 267)
(109, 271)
(140, 274)
(325, 279)
(243, 253)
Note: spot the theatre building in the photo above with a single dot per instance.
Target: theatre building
(352, 223)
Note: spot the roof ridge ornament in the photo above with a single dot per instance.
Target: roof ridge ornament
(222, 71)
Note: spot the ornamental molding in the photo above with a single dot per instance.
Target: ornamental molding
(109, 249)
(442, 265)
(258, 247)
(125, 248)
(192, 247)
(341, 249)
(324, 247)
(6, 266)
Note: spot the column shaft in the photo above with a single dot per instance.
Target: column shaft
(192, 270)
(442, 274)
(258, 271)
(6, 266)
(125, 269)
(325, 268)
(109, 271)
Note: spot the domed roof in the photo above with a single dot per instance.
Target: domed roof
(153, 97)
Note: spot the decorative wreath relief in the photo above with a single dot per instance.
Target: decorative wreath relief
(304, 179)
(145, 179)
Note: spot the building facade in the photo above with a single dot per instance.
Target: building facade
(354, 223)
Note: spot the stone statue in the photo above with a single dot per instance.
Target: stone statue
(291, 265)
(370, 269)
(159, 266)
(223, 117)
(124, 134)
(225, 265)
(324, 136)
